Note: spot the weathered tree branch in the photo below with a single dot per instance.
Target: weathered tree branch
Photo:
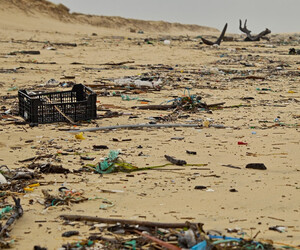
(218, 42)
(251, 38)
(129, 222)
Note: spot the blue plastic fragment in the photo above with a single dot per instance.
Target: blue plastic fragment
(200, 246)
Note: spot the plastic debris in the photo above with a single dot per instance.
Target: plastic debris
(80, 136)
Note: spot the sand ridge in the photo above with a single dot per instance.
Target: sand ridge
(60, 12)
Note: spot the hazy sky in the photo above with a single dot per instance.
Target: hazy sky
(277, 15)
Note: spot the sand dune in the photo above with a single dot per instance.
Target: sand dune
(30, 9)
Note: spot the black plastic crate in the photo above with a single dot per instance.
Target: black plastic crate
(79, 104)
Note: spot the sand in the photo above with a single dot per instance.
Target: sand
(265, 198)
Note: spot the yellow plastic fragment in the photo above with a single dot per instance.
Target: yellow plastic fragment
(206, 124)
(80, 136)
(28, 189)
(34, 185)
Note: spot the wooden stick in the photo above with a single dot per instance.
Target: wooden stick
(129, 222)
(131, 126)
(64, 115)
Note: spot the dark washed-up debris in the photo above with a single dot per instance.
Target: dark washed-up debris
(49, 168)
(175, 161)
(70, 233)
(191, 152)
(87, 158)
(98, 147)
(28, 52)
(200, 187)
(39, 248)
(293, 51)
(259, 166)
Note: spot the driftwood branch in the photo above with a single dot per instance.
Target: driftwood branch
(122, 221)
(251, 38)
(218, 42)
(175, 125)
(18, 212)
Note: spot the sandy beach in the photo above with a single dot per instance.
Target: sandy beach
(260, 120)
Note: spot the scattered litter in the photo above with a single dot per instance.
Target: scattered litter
(279, 229)
(173, 236)
(59, 106)
(152, 118)
(70, 233)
